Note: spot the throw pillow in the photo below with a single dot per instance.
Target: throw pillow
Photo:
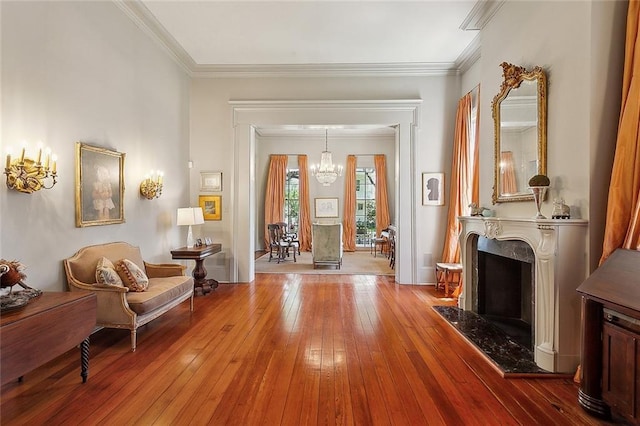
(106, 273)
(132, 276)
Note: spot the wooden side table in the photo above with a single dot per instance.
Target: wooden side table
(199, 272)
(46, 328)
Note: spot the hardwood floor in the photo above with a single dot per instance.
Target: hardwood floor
(291, 350)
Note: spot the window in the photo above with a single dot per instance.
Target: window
(365, 206)
(292, 198)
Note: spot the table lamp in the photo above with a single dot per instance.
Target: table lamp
(190, 216)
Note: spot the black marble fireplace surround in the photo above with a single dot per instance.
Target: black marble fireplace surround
(504, 277)
(501, 323)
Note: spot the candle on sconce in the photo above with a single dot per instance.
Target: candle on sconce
(54, 158)
(47, 158)
(22, 155)
(160, 174)
(8, 161)
(39, 146)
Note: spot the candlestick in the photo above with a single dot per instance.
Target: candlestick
(8, 160)
(54, 158)
(39, 155)
(22, 156)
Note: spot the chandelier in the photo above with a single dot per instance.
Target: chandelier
(326, 173)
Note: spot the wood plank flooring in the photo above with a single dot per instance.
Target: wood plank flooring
(291, 350)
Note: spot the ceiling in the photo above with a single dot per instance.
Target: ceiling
(316, 37)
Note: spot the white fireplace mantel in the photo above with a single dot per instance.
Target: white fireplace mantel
(560, 249)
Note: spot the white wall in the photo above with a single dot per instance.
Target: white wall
(82, 71)
(580, 46)
(212, 138)
(340, 147)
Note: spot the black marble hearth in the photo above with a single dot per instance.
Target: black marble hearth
(506, 353)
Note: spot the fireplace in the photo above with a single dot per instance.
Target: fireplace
(504, 286)
(522, 274)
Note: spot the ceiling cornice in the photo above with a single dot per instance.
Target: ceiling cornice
(469, 56)
(326, 70)
(481, 13)
(145, 20)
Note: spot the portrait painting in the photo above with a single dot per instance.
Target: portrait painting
(99, 186)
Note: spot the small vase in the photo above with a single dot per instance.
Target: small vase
(538, 195)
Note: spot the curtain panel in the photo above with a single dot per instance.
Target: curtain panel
(464, 179)
(622, 227)
(382, 202)
(349, 217)
(274, 194)
(304, 228)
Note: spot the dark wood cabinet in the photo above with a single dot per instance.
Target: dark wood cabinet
(610, 379)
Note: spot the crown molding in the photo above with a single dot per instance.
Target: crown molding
(481, 14)
(470, 55)
(326, 70)
(144, 19)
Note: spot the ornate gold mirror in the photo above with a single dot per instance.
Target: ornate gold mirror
(520, 122)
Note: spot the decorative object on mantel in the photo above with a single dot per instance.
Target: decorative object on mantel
(151, 186)
(11, 274)
(326, 173)
(560, 210)
(480, 211)
(539, 184)
(27, 175)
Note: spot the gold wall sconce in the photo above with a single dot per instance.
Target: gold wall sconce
(27, 175)
(151, 186)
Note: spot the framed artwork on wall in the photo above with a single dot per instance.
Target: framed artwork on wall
(210, 181)
(211, 206)
(99, 186)
(433, 189)
(326, 207)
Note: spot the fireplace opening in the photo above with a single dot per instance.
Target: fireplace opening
(505, 287)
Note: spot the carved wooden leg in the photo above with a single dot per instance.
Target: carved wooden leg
(84, 359)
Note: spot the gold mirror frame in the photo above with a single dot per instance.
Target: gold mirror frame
(513, 78)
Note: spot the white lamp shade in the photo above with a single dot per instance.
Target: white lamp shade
(190, 216)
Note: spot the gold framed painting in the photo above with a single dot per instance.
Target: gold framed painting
(99, 186)
(211, 206)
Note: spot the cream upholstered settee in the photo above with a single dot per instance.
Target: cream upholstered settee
(118, 306)
(326, 244)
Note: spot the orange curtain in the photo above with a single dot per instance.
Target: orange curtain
(382, 201)
(464, 178)
(349, 217)
(304, 229)
(274, 194)
(507, 173)
(622, 227)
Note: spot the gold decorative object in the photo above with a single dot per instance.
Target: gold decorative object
(27, 175)
(151, 186)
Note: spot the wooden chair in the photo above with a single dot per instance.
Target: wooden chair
(392, 247)
(382, 241)
(445, 273)
(279, 243)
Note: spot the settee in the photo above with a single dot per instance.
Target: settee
(326, 244)
(119, 306)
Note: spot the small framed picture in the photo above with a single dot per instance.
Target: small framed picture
(326, 207)
(211, 206)
(211, 181)
(433, 189)
(207, 241)
(199, 242)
